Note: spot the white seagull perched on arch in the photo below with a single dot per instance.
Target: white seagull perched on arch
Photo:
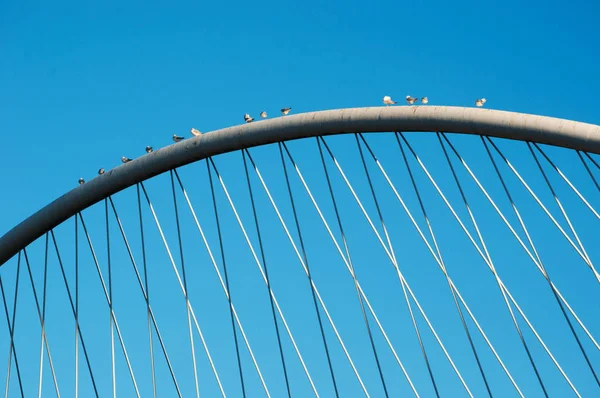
(285, 111)
(479, 102)
(424, 100)
(195, 132)
(387, 100)
(411, 100)
(125, 159)
(177, 138)
(263, 114)
(248, 119)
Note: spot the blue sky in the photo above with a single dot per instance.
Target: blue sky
(82, 85)
(91, 83)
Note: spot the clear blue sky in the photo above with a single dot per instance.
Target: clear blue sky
(82, 85)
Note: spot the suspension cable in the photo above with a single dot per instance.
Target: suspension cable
(108, 301)
(560, 206)
(496, 277)
(268, 282)
(588, 170)
(431, 250)
(12, 352)
(391, 248)
(42, 323)
(569, 183)
(352, 269)
(110, 305)
(299, 256)
(490, 266)
(74, 309)
(308, 274)
(228, 290)
(514, 233)
(545, 273)
(560, 228)
(186, 292)
(145, 290)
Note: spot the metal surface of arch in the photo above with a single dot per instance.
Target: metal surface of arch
(501, 124)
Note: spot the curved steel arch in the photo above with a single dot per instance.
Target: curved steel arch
(511, 125)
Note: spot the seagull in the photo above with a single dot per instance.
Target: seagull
(263, 114)
(480, 101)
(248, 119)
(81, 181)
(411, 100)
(125, 159)
(177, 138)
(101, 171)
(195, 132)
(424, 100)
(149, 149)
(387, 100)
(285, 111)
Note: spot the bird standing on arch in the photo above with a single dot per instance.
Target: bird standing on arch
(387, 100)
(411, 100)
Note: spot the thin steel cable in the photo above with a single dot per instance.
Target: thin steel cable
(592, 159)
(145, 294)
(389, 242)
(299, 256)
(228, 291)
(588, 170)
(352, 269)
(340, 252)
(218, 272)
(545, 272)
(110, 305)
(177, 275)
(12, 352)
(569, 183)
(75, 312)
(512, 230)
(442, 264)
(560, 228)
(341, 171)
(106, 296)
(490, 266)
(308, 274)
(268, 282)
(496, 277)
(563, 211)
(146, 290)
(558, 202)
(76, 309)
(43, 317)
(42, 323)
(186, 293)
(250, 246)
(436, 259)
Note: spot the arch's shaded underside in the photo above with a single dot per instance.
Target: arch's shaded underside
(517, 126)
